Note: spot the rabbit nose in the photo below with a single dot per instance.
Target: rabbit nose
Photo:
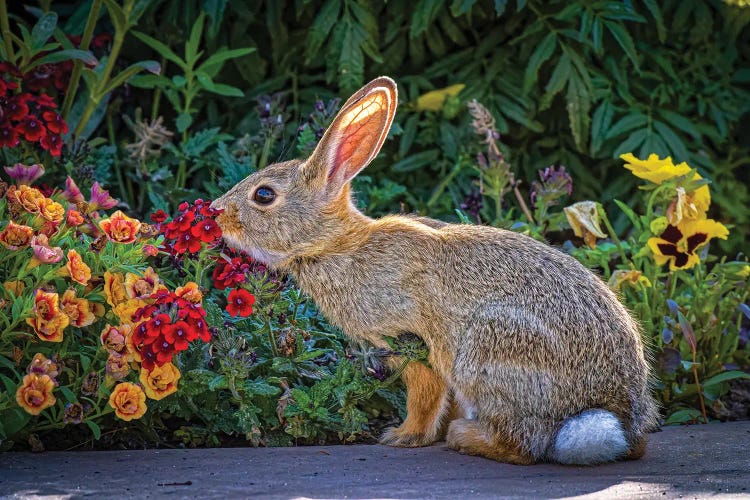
(218, 204)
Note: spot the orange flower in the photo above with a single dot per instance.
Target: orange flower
(35, 393)
(28, 197)
(120, 228)
(41, 365)
(113, 337)
(74, 218)
(77, 268)
(48, 321)
(128, 400)
(134, 350)
(16, 236)
(190, 292)
(161, 381)
(114, 288)
(141, 287)
(15, 287)
(78, 310)
(51, 210)
(125, 310)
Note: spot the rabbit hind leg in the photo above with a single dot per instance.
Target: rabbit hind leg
(427, 406)
(470, 438)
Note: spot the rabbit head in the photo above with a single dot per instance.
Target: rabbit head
(299, 208)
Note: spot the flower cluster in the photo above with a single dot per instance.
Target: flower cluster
(685, 228)
(35, 392)
(194, 225)
(167, 325)
(28, 117)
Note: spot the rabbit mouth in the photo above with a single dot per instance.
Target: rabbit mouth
(267, 257)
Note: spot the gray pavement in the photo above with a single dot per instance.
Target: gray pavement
(681, 462)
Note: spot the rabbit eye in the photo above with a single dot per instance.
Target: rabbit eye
(264, 195)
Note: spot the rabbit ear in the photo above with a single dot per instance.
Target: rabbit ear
(356, 134)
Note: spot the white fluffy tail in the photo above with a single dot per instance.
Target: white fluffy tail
(591, 437)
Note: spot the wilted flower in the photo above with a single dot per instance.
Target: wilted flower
(150, 138)
(141, 287)
(77, 268)
(35, 393)
(120, 228)
(15, 287)
(41, 365)
(584, 218)
(160, 381)
(29, 198)
(128, 400)
(117, 366)
(678, 244)
(554, 184)
(90, 384)
(23, 174)
(72, 193)
(79, 310)
(43, 253)
(16, 236)
(693, 205)
(73, 413)
(150, 250)
(113, 338)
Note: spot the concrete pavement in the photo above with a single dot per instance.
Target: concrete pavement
(681, 462)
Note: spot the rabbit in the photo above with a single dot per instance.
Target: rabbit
(532, 358)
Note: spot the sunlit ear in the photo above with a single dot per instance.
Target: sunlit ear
(355, 135)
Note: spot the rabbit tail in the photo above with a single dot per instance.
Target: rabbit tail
(591, 437)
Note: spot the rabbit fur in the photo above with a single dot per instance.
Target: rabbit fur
(532, 357)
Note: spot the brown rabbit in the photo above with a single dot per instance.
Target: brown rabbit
(532, 357)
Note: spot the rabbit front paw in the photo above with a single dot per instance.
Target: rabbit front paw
(405, 438)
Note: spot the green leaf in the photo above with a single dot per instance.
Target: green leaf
(579, 106)
(596, 36)
(683, 416)
(260, 388)
(461, 7)
(557, 82)
(600, 124)
(680, 122)
(214, 62)
(8, 364)
(653, 8)
(70, 397)
(65, 55)
(193, 43)
(116, 14)
(416, 161)
(725, 377)
(543, 52)
(130, 71)
(42, 30)
(226, 90)
(626, 124)
(631, 143)
(630, 214)
(424, 14)
(500, 7)
(184, 120)
(162, 49)
(218, 382)
(673, 141)
(623, 38)
(95, 429)
(321, 27)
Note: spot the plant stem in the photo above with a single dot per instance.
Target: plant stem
(699, 389)
(521, 202)
(5, 26)
(157, 93)
(612, 233)
(75, 77)
(444, 184)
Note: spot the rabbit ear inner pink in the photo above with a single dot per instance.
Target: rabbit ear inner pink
(357, 133)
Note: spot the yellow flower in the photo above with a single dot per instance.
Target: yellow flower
(35, 393)
(141, 287)
(125, 310)
(583, 217)
(627, 277)
(16, 236)
(79, 310)
(51, 210)
(693, 205)
(77, 268)
(15, 287)
(190, 292)
(120, 228)
(434, 100)
(161, 381)
(653, 169)
(128, 400)
(114, 288)
(48, 321)
(678, 244)
(28, 197)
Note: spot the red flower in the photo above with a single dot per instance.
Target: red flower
(164, 350)
(183, 206)
(52, 143)
(187, 243)
(17, 109)
(8, 136)
(240, 303)
(207, 230)
(159, 216)
(179, 334)
(158, 325)
(227, 274)
(32, 128)
(55, 122)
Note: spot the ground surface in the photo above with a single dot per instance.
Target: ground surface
(686, 462)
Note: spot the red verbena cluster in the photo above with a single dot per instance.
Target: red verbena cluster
(194, 225)
(168, 325)
(28, 117)
(231, 271)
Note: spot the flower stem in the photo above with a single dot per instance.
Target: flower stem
(5, 26)
(75, 77)
(612, 233)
